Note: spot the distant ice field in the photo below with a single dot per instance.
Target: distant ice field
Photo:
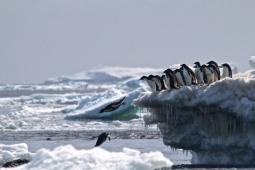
(74, 102)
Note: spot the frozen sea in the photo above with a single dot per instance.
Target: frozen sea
(65, 110)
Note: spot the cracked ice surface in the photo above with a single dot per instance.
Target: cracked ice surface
(215, 122)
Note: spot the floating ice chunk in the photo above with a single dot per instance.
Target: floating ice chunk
(13, 152)
(124, 111)
(67, 157)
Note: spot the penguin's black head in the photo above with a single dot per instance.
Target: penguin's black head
(167, 70)
(212, 63)
(226, 65)
(143, 78)
(177, 70)
(150, 77)
(197, 64)
(158, 77)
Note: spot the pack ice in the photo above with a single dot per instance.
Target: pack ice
(67, 157)
(215, 122)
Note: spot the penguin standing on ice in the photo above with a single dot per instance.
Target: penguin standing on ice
(102, 138)
(227, 71)
(166, 81)
(180, 77)
(199, 73)
(171, 78)
(150, 82)
(159, 82)
(215, 68)
(189, 75)
(208, 74)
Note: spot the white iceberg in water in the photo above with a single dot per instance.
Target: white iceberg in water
(215, 122)
(120, 108)
(67, 157)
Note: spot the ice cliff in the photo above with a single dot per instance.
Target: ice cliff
(216, 122)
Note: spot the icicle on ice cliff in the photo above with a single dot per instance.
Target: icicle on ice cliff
(215, 122)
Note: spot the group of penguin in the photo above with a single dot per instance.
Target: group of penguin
(185, 76)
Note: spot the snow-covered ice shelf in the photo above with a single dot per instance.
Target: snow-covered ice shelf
(216, 122)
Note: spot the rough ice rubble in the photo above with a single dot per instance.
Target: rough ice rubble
(67, 157)
(27, 106)
(13, 152)
(215, 122)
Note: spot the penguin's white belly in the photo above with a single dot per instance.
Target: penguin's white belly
(199, 76)
(167, 82)
(210, 76)
(152, 85)
(179, 78)
(225, 73)
(188, 78)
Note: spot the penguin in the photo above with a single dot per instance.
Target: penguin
(227, 71)
(113, 106)
(102, 138)
(199, 73)
(208, 74)
(166, 80)
(160, 83)
(171, 77)
(150, 82)
(217, 69)
(189, 75)
(155, 83)
(180, 77)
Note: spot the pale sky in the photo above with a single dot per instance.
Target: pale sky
(40, 39)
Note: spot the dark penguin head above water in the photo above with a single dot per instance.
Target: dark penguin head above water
(102, 138)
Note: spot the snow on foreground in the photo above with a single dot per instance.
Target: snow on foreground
(67, 157)
(13, 152)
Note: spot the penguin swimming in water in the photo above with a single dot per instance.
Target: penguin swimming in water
(113, 106)
(227, 71)
(171, 78)
(189, 75)
(102, 138)
(217, 69)
(199, 73)
(150, 82)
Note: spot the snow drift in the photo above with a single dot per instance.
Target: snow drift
(67, 157)
(215, 122)
(9, 153)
